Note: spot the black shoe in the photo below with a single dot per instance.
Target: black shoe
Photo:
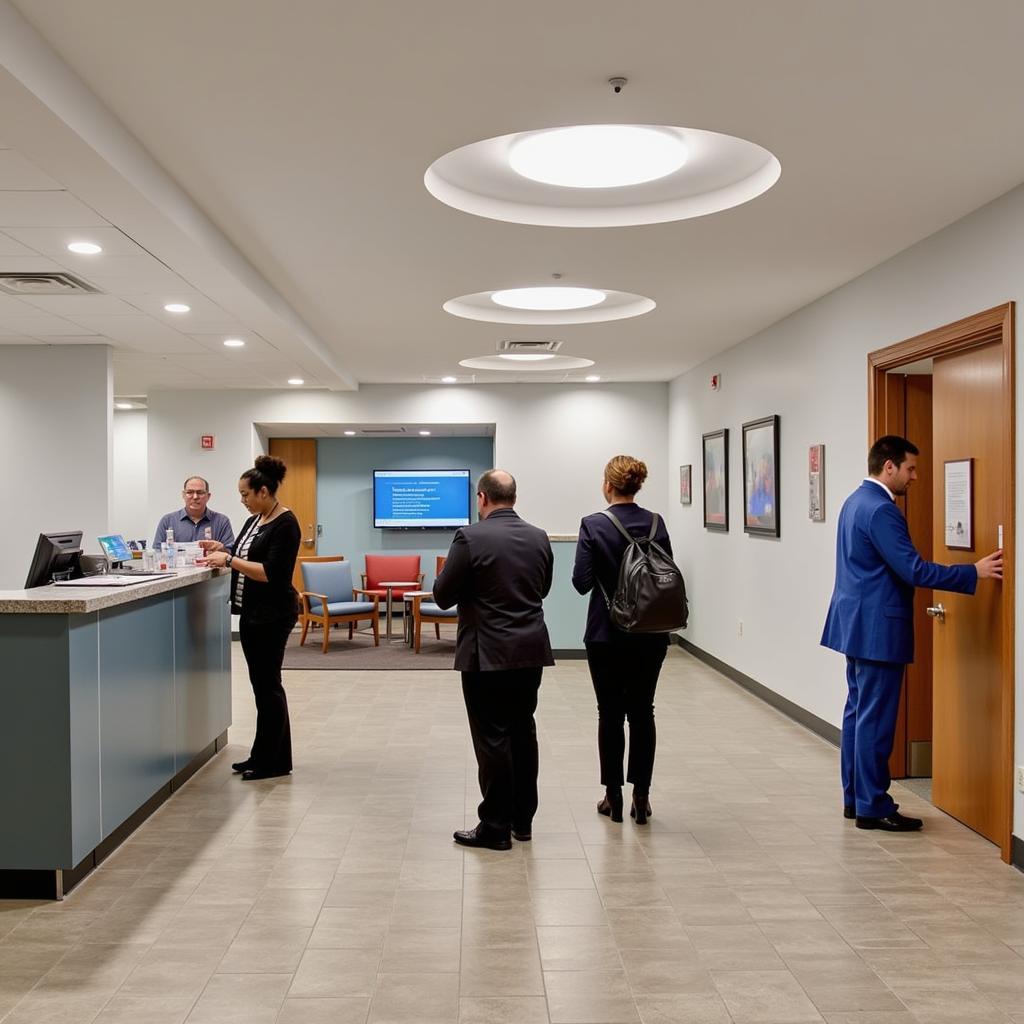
(849, 811)
(611, 805)
(481, 839)
(641, 809)
(255, 774)
(522, 835)
(242, 766)
(892, 822)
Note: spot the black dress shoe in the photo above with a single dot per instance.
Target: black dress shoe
(849, 811)
(522, 835)
(255, 774)
(892, 822)
(611, 805)
(481, 839)
(641, 809)
(242, 766)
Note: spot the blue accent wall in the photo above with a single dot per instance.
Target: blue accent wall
(344, 475)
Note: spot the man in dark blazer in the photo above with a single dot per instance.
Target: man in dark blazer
(871, 621)
(498, 572)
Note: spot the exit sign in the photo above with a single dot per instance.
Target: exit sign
(207, 442)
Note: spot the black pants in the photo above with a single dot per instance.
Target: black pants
(500, 706)
(263, 645)
(625, 675)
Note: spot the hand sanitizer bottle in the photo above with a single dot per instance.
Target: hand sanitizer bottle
(169, 549)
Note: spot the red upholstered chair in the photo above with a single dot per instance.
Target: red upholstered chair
(382, 568)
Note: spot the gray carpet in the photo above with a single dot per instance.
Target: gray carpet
(359, 654)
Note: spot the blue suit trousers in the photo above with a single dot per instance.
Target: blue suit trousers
(869, 724)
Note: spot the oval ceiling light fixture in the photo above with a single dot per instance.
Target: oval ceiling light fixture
(598, 155)
(652, 175)
(177, 307)
(549, 305)
(548, 297)
(592, 378)
(234, 343)
(449, 380)
(85, 248)
(424, 433)
(526, 357)
(296, 381)
(501, 362)
(350, 433)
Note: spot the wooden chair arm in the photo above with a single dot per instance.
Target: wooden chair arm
(306, 595)
(421, 579)
(374, 597)
(362, 576)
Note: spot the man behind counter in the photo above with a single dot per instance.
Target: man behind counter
(190, 523)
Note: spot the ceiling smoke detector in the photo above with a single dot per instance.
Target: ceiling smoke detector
(44, 284)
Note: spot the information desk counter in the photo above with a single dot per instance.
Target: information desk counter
(110, 698)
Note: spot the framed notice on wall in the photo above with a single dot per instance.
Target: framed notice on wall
(816, 483)
(686, 485)
(959, 501)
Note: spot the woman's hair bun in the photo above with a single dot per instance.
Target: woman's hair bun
(271, 467)
(625, 474)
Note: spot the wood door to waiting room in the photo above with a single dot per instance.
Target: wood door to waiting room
(298, 490)
(973, 647)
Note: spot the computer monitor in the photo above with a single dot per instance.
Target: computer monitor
(55, 552)
(115, 548)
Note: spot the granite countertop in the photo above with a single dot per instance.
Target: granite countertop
(72, 600)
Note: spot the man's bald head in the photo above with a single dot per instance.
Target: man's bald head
(498, 487)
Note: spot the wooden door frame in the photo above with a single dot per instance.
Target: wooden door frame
(992, 325)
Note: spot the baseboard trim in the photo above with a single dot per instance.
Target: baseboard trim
(800, 715)
(1017, 852)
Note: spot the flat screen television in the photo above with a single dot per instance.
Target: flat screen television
(420, 499)
(55, 552)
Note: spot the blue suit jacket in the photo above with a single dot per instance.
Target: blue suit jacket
(877, 568)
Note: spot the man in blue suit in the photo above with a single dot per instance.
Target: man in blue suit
(871, 621)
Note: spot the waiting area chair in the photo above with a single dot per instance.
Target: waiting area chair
(425, 610)
(329, 581)
(386, 568)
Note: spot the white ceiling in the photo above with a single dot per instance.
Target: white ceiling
(279, 188)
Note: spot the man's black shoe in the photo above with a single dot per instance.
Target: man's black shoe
(523, 835)
(482, 840)
(849, 811)
(242, 766)
(892, 822)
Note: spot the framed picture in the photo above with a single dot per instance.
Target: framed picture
(686, 485)
(716, 480)
(816, 483)
(959, 492)
(761, 477)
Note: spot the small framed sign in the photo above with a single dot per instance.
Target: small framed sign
(207, 442)
(686, 485)
(959, 501)
(816, 483)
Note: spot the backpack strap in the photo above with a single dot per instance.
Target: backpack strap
(655, 523)
(618, 525)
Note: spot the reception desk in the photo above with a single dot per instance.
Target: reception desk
(110, 698)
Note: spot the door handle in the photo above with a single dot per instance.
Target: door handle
(937, 612)
(309, 541)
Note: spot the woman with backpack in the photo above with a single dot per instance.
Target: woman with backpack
(624, 665)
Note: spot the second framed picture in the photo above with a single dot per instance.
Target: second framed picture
(761, 477)
(716, 480)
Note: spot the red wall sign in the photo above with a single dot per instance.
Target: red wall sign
(206, 442)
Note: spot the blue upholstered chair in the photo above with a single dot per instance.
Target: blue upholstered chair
(329, 582)
(424, 610)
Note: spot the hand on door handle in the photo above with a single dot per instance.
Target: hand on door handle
(991, 566)
(937, 612)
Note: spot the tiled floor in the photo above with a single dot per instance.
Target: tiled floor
(337, 895)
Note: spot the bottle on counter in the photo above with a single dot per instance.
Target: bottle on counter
(169, 550)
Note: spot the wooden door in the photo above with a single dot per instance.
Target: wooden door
(969, 756)
(298, 490)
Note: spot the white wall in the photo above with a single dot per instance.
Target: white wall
(555, 438)
(130, 511)
(56, 407)
(811, 369)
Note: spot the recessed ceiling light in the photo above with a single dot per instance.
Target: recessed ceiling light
(549, 297)
(177, 307)
(526, 357)
(424, 433)
(350, 433)
(234, 342)
(598, 155)
(449, 380)
(296, 381)
(123, 405)
(85, 248)
(592, 378)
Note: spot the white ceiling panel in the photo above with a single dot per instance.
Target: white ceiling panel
(40, 324)
(17, 174)
(45, 210)
(53, 241)
(89, 305)
(139, 332)
(9, 247)
(255, 346)
(16, 339)
(79, 339)
(28, 265)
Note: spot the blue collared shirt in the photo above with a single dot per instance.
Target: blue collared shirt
(186, 530)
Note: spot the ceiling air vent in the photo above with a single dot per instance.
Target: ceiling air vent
(529, 346)
(44, 284)
(381, 431)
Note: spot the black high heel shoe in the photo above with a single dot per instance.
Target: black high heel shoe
(641, 809)
(611, 805)
(242, 766)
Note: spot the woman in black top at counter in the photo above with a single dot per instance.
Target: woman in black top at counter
(624, 667)
(262, 561)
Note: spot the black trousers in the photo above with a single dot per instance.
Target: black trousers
(500, 707)
(625, 675)
(263, 645)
